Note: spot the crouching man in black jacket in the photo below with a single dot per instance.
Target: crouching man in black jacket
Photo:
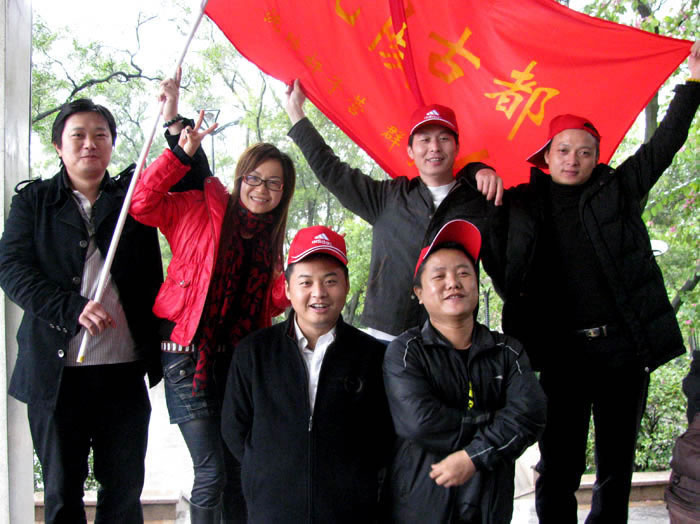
(305, 411)
(464, 400)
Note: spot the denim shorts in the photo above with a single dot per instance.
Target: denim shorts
(178, 374)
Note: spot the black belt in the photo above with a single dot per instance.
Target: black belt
(606, 330)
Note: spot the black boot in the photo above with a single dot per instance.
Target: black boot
(201, 515)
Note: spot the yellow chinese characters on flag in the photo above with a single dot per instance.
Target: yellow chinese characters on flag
(506, 68)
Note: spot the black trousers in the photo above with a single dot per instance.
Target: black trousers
(105, 408)
(614, 388)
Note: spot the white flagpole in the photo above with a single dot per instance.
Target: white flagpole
(101, 284)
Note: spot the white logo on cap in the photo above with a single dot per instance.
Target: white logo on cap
(433, 112)
(321, 239)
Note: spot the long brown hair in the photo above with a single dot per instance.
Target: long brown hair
(248, 162)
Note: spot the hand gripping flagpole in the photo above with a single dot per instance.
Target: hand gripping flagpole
(106, 268)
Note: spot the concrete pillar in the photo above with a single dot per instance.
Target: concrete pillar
(16, 473)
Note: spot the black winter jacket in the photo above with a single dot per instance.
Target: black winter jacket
(610, 210)
(42, 255)
(294, 467)
(428, 385)
(399, 211)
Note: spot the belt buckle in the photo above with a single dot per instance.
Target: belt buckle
(591, 332)
(596, 332)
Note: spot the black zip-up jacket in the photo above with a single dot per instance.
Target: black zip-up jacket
(611, 213)
(399, 211)
(297, 468)
(428, 386)
(42, 256)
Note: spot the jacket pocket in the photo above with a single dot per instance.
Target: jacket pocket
(415, 496)
(180, 371)
(174, 291)
(185, 403)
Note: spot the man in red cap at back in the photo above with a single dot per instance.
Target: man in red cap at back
(398, 209)
(573, 262)
(305, 411)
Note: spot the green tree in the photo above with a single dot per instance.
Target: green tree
(64, 69)
(215, 76)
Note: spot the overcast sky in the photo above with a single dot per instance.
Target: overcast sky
(113, 23)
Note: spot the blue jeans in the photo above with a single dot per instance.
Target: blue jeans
(183, 405)
(217, 474)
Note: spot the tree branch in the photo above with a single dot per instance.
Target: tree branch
(689, 285)
(120, 76)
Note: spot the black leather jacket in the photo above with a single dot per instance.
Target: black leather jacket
(428, 385)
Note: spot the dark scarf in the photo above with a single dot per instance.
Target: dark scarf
(225, 296)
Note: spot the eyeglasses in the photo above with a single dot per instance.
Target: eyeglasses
(273, 184)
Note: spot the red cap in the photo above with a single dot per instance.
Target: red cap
(317, 239)
(460, 231)
(434, 114)
(557, 125)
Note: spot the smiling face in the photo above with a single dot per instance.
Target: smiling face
(86, 147)
(259, 199)
(433, 150)
(317, 288)
(448, 286)
(571, 157)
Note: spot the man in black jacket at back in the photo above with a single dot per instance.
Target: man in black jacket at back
(305, 411)
(582, 291)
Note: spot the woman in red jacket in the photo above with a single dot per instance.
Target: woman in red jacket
(224, 281)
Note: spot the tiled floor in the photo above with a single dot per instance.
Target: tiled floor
(640, 512)
(168, 463)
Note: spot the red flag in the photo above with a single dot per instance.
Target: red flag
(505, 67)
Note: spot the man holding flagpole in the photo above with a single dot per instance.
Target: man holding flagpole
(51, 252)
